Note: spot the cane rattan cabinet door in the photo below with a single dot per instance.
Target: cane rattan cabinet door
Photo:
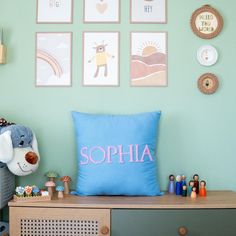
(29, 221)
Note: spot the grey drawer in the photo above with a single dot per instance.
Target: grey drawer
(217, 222)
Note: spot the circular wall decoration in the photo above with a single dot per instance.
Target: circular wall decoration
(206, 22)
(207, 55)
(208, 83)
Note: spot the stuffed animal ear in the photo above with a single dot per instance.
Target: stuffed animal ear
(35, 145)
(6, 148)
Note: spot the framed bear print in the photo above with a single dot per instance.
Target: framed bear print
(101, 58)
(55, 11)
(148, 11)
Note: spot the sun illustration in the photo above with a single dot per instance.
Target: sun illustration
(148, 48)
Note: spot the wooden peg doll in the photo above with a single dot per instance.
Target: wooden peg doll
(184, 191)
(202, 191)
(184, 180)
(194, 192)
(178, 185)
(196, 182)
(190, 186)
(171, 186)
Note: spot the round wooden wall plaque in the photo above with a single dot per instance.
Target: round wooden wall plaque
(208, 83)
(206, 22)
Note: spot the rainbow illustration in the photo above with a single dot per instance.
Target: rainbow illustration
(52, 61)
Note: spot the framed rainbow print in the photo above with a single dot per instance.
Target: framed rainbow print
(53, 59)
(148, 59)
(101, 58)
(101, 11)
(148, 11)
(55, 11)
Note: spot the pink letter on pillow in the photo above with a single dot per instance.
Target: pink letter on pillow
(91, 156)
(85, 149)
(111, 150)
(146, 151)
(121, 153)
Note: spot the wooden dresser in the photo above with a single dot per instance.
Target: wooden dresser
(168, 215)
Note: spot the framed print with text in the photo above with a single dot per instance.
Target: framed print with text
(54, 11)
(148, 11)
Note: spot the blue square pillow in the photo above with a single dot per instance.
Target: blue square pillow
(117, 154)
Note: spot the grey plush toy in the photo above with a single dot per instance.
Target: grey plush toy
(18, 148)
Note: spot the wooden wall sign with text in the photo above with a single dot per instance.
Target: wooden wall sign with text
(206, 22)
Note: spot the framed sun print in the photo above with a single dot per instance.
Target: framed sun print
(208, 83)
(54, 11)
(101, 58)
(53, 59)
(148, 11)
(207, 55)
(206, 22)
(101, 11)
(148, 59)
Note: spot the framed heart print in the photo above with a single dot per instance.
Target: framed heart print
(101, 11)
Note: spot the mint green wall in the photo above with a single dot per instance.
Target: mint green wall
(198, 132)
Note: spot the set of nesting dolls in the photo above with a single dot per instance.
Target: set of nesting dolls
(180, 188)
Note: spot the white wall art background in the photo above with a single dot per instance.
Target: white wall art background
(98, 11)
(54, 11)
(148, 11)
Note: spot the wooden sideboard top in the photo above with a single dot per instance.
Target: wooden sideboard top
(214, 199)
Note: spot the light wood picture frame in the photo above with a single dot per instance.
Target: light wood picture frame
(206, 22)
(148, 59)
(53, 59)
(148, 11)
(101, 51)
(102, 11)
(54, 11)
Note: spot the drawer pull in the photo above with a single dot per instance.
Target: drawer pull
(104, 230)
(183, 231)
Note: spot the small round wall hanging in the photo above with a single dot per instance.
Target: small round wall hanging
(206, 22)
(207, 55)
(208, 83)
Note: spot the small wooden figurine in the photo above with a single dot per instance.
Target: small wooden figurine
(184, 191)
(178, 185)
(196, 182)
(190, 186)
(66, 180)
(171, 186)
(184, 180)
(194, 193)
(202, 191)
(50, 185)
(60, 190)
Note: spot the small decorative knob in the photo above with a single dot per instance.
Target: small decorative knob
(182, 231)
(104, 230)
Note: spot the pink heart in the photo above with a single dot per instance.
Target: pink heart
(101, 7)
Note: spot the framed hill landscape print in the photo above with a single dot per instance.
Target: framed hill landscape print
(148, 59)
